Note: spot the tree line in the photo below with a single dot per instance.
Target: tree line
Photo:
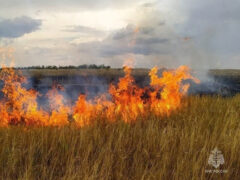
(84, 66)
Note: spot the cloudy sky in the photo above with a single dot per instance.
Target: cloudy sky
(199, 33)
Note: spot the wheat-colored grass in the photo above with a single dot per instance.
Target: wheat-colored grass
(174, 147)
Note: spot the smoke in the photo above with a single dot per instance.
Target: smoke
(200, 34)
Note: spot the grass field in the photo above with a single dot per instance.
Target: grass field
(81, 72)
(229, 76)
(174, 147)
(113, 72)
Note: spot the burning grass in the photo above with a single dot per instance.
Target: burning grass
(154, 132)
(154, 147)
(140, 133)
(127, 101)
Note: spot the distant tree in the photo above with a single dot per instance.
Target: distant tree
(83, 66)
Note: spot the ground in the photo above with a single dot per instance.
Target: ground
(155, 147)
(175, 146)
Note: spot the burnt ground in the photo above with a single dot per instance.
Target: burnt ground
(94, 82)
(218, 82)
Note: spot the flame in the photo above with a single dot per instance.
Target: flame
(59, 111)
(83, 111)
(19, 105)
(128, 101)
(127, 97)
(171, 87)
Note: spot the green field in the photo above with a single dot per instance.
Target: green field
(174, 147)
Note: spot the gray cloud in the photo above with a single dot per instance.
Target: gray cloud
(84, 30)
(66, 5)
(13, 28)
(143, 40)
(207, 38)
(205, 35)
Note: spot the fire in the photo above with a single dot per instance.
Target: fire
(19, 105)
(128, 102)
(171, 88)
(83, 111)
(59, 111)
(127, 97)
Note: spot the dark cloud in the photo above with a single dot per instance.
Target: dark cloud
(132, 40)
(13, 28)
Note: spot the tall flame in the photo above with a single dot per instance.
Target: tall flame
(128, 101)
(171, 87)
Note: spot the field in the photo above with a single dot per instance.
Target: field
(175, 146)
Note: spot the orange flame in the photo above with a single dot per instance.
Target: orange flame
(59, 111)
(172, 89)
(20, 106)
(127, 97)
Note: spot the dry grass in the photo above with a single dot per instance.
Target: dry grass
(80, 72)
(174, 147)
(113, 72)
(225, 72)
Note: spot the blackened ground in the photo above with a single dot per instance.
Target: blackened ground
(95, 82)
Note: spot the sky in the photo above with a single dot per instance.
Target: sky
(166, 33)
